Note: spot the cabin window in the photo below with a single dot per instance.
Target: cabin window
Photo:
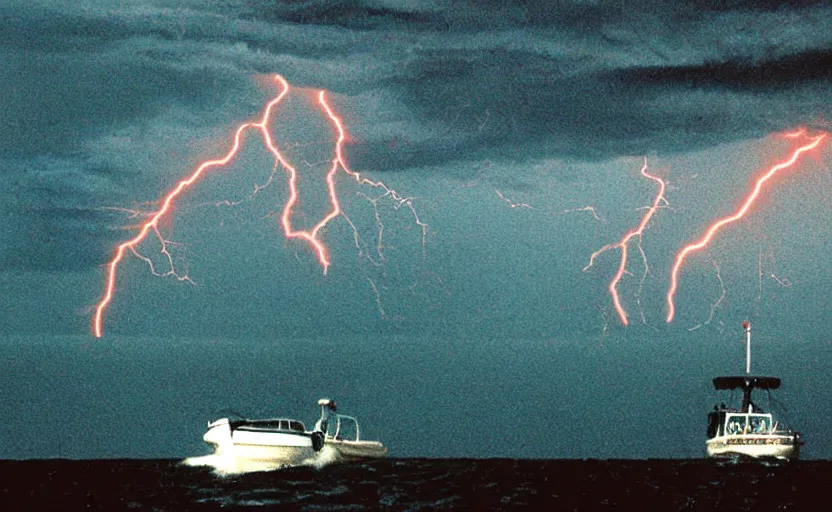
(748, 424)
(760, 425)
(736, 425)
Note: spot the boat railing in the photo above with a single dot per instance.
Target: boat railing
(339, 427)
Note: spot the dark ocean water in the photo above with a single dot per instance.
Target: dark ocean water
(419, 484)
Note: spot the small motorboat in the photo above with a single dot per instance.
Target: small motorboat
(748, 430)
(286, 441)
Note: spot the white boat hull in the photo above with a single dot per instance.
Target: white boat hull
(757, 446)
(259, 445)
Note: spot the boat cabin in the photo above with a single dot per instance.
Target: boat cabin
(728, 423)
(749, 418)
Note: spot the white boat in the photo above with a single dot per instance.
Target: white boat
(283, 441)
(748, 430)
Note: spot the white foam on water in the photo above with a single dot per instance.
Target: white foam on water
(228, 465)
(328, 455)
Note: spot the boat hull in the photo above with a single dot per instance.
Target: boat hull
(259, 445)
(356, 450)
(756, 446)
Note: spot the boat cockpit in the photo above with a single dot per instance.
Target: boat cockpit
(727, 423)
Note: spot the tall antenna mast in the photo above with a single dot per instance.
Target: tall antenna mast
(747, 327)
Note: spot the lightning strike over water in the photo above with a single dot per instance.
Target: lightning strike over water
(511, 203)
(718, 301)
(590, 209)
(312, 236)
(622, 244)
(740, 213)
(378, 297)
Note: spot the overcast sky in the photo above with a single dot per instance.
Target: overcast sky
(517, 130)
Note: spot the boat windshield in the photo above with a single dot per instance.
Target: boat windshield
(285, 424)
(736, 424)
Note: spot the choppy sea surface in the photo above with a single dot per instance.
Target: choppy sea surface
(417, 484)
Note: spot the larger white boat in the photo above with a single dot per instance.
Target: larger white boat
(283, 441)
(748, 430)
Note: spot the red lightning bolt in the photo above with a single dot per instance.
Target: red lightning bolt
(310, 236)
(740, 213)
(622, 244)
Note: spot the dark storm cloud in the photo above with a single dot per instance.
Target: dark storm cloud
(344, 13)
(536, 71)
(56, 239)
(541, 107)
(587, 80)
(489, 15)
(51, 219)
(56, 102)
(752, 5)
(483, 15)
(777, 74)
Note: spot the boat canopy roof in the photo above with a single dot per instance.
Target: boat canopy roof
(746, 381)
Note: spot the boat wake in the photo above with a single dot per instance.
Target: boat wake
(228, 465)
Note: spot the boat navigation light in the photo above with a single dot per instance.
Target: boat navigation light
(747, 327)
